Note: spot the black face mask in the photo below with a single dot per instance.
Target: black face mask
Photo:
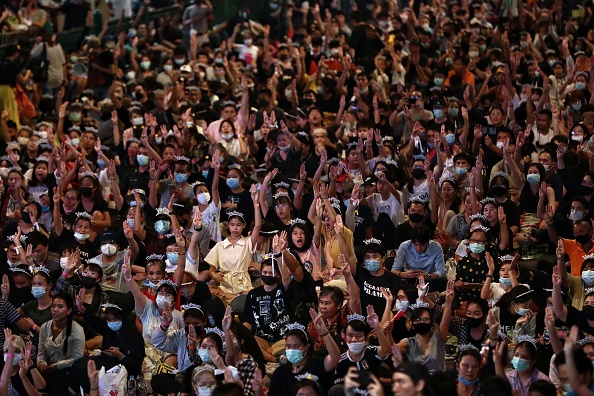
(88, 282)
(26, 217)
(415, 217)
(307, 102)
(499, 191)
(422, 328)
(262, 103)
(586, 190)
(283, 57)
(476, 322)
(418, 173)
(86, 191)
(588, 312)
(268, 280)
(183, 222)
(583, 239)
(198, 329)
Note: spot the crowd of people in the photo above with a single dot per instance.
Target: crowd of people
(328, 199)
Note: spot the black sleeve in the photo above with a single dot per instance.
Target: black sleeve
(133, 361)
(252, 347)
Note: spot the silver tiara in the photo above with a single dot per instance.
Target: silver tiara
(297, 326)
(527, 338)
(419, 157)
(308, 376)
(466, 347)
(83, 215)
(282, 184)
(88, 174)
(23, 238)
(14, 169)
(155, 256)
(336, 205)
(281, 194)
(235, 166)
(588, 256)
(181, 158)
(588, 290)
(355, 316)
(352, 144)
(200, 369)
(500, 173)
(480, 227)
(372, 240)
(333, 161)
(235, 213)
(587, 340)
(507, 257)
(95, 261)
(24, 271)
(419, 304)
(196, 184)
(134, 140)
(417, 199)
(91, 129)
(387, 139)
(478, 216)
(41, 159)
(488, 200)
(468, 188)
(41, 269)
(297, 221)
(190, 306)
(214, 330)
(108, 305)
(162, 211)
(167, 282)
(449, 180)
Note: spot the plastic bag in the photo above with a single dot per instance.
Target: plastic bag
(113, 381)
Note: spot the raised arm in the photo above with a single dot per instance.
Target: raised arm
(352, 288)
(257, 216)
(447, 312)
(264, 190)
(139, 298)
(331, 360)
(216, 197)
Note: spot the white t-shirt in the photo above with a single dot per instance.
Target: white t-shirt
(119, 5)
(211, 218)
(151, 319)
(391, 206)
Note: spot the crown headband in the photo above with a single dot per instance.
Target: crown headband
(214, 330)
(235, 213)
(355, 316)
(280, 195)
(83, 215)
(525, 293)
(526, 338)
(419, 157)
(167, 282)
(24, 271)
(466, 347)
(200, 369)
(88, 174)
(480, 227)
(297, 221)
(507, 257)
(235, 166)
(155, 256)
(489, 200)
(191, 306)
(417, 199)
(588, 290)
(297, 326)
(41, 159)
(372, 241)
(333, 161)
(419, 304)
(108, 305)
(500, 173)
(587, 340)
(162, 211)
(41, 269)
(282, 184)
(588, 256)
(478, 216)
(181, 158)
(308, 376)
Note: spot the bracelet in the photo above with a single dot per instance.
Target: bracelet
(197, 229)
(325, 334)
(65, 274)
(35, 327)
(191, 346)
(256, 205)
(94, 388)
(489, 276)
(11, 355)
(127, 279)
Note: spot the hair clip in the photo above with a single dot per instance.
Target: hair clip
(355, 316)
(500, 173)
(526, 338)
(108, 305)
(83, 215)
(235, 213)
(297, 326)
(181, 158)
(480, 227)
(297, 221)
(281, 184)
(489, 200)
(372, 241)
(155, 256)
(281, 194)
(162, 211)
(167, 282)
(190, 306)
(419, 304)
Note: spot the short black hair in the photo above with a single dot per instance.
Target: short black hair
(582, 363)
(421, 234)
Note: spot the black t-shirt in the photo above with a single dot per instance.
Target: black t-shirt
(87, 249)
(201, 295)
(369, 362)
(9, 71)
(268, 312)
(288, 167)
(363, 220)
(284, 380)
(135, 180)
(244, 202)
(99, 205)
(512, 213)
(576, 317)
(370, 288)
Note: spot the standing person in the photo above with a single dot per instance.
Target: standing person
(54, 54)
(10, 75)
(195, 21)
(365, 41)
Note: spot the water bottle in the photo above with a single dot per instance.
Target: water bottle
(131, 386)
(524, 247)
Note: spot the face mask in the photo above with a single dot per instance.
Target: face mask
(588, 312)
(172, 257)
(579, 86)
(108, 249)
(438, 113)
(205, 390)
(346, 202)
(475, 322)
(415, 217)
(422, 328)
(26, 217)
(131, 75)
(576, 215)
(461, 171)
(577, 138)
(583, 239)
(130, 223)
(161, 300)
(74, 59)
(161, 226)
(499, 191)
(63, 262)
(159, 140)
(285, 148)
(533, 178)
(520, 365)
(179, 61)
(449, 61)
(4, 172)
(87, 282)
(450, 139)
(588, 277)
(81, 237)
(586, 190)
(180, 177)
(74, 117)
(203, 198)
(418, 174)
(268, 280)
(430, 145)
(115, 326)
(227, 136)
(505, 281)
(522, 311)
(15, 360)
(466, 382)
(143, 160)
(373, 265)
(356, 347)
(477, 248)
(482, 47)
(137, 121)
(500, 145)
(86, 192)
(453, 112)
(247, 42)
(233, 183)
(473, 54)
(552, 62)
(101, 164)
(74, 142)
(205, 174)
(294, 356)
(38, 291)
(168, 68)
(204, 355)
(438, 81)
(402, 305)
(145, 65)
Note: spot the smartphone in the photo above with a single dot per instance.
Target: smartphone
(491, 131)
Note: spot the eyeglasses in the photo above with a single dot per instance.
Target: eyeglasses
(280, 206)
(422, 320)
(475, 314)
(90, 274)
(447, 188)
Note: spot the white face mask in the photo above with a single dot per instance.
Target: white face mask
(63, 262)
(161, 300)
(205, 390)
(81, 237)
(203, 198)
(356, 347)
(12, 265)
(108, 249)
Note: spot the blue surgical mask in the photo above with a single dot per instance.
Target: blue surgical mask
(233, 183)
(452, 112)
(115, 326)
(523, 311)
(162, 226)
(172, 257)
(533, 178)
(130, 222)
(477, 248)
(205, 173)
(45, 208)
(143, 160)
(580, 86)
(588, 277)
(204, 355)
(180, 177)
(74, 142)
(437, 113)
(576, 106)
(505, 281)
(461, 170)
(466, 382)
(38, 291)
(295, 356)
(159, 139)
(145, 65)
(101, 163)
(520, 365)
(373, 265)
(438, 81)
(347, 202)
(450, 139)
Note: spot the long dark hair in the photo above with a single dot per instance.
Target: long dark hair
(70, 304)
